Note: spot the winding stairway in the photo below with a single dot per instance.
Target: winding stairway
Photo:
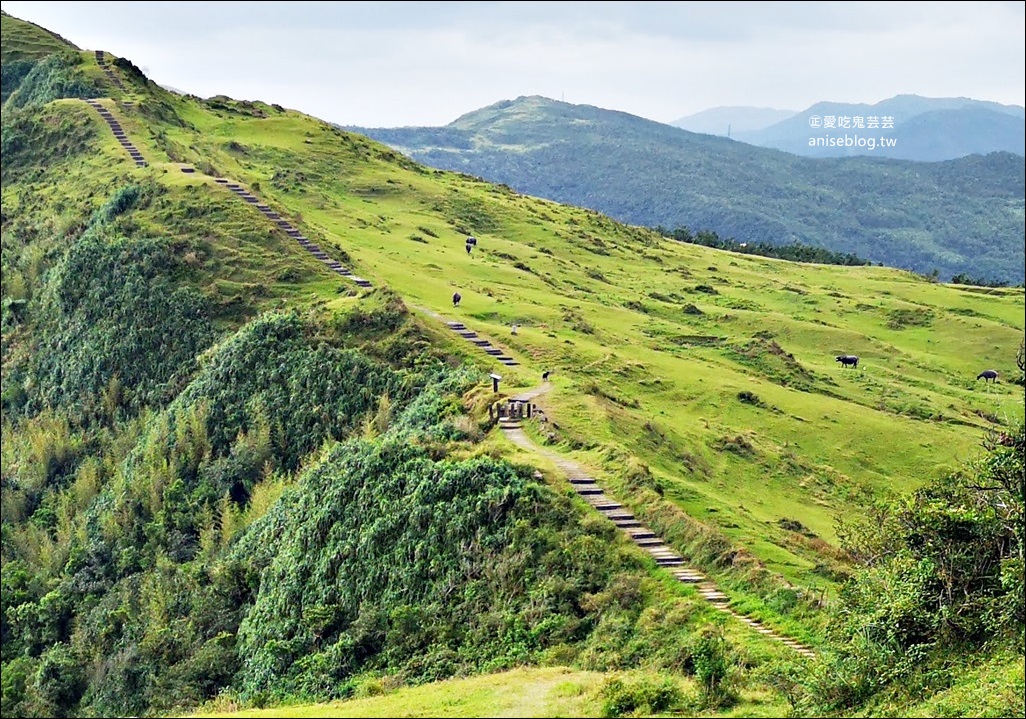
(499, 355)
(487, 347)
(645, 538)
(289, 230)
(101, 60)
(585, 485)
(236, 188)
(118, 131)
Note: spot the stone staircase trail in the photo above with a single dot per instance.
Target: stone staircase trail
(496, 353)
(101, 60)
(487, 347)
(118, 131)
(234, 187)
(288, 228)
(585, 485)
(643, 537)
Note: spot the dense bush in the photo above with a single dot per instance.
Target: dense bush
(111, 319)
(56, 76)
(12, 72)
(942, 575)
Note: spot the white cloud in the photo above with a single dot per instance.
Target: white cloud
(388, 64)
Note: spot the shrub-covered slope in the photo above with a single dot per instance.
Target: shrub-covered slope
(228, 470)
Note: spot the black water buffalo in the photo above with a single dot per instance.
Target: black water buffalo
(988, 375)
(456, 297)
(848, 360)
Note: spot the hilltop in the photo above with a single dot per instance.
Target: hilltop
(251, 452)
(963, 216)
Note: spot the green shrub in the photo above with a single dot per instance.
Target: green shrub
(56, 76)
(642, 696)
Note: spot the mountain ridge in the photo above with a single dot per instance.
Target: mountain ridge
(923, 129)
(897, 212)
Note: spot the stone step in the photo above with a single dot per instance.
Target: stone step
(690, 578)
(664, 553)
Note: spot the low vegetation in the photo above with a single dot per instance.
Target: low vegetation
(234, 481)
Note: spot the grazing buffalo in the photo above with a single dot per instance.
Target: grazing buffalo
(848, 360)
(988, 375)
(456, 297)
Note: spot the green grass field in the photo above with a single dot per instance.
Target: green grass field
(696, 384)
(715, 370)
(544, 692)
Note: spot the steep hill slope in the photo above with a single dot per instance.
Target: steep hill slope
(230, 467)
(24, 44)
(959, 216)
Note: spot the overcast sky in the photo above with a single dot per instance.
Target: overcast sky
(393, 64)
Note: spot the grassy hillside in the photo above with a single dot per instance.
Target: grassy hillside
(959, 216)
(28, 41)
(25, 44)
(230, 472)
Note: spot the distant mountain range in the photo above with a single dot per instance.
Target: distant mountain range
(958, 216)
(730, 120)
(905, 127)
